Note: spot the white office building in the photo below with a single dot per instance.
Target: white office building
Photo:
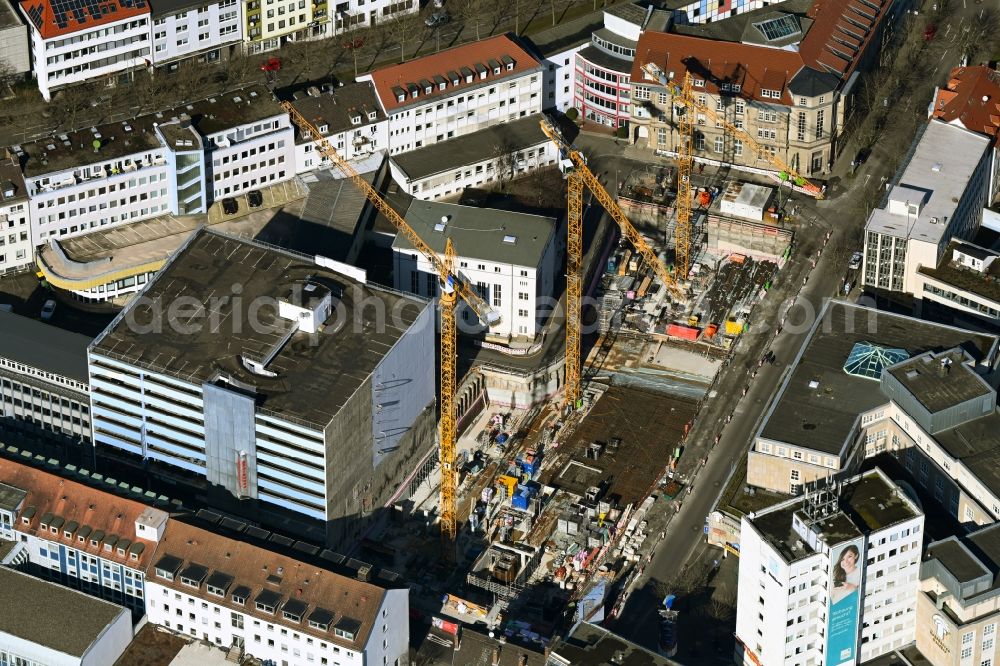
(48, 624)
(77, 535)
(457, 91)
(15, 230)
(184, 29)
(348, 116)
(75, 43)
(43, 378)
(830, 577)
(350, 15)
(297, 385)
(156, 164)
(256, 603)
(940, 195)
(511, 259)
(486, 157)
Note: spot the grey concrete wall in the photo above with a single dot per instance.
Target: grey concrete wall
(15, 48)
(403, 385)
(355, 489)
(229, 429)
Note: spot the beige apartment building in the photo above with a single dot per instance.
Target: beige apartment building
(787, 78)
(958, 604)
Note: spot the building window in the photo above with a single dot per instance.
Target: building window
(719, 144)
(819, 124)
(801, 134)
(737, 147)
(497, 296)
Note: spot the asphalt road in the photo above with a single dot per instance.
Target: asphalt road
(844, 215)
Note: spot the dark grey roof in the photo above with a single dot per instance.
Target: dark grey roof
(317, 375)
(565, 36)
(479, 233)
(957, 559)
(220, 580)
(169, 563)
(267, 598)
(591, 644)
(44, 346)
(241, 591)
(809, 82)
(470, 148)
(630, 12)
(605, 60)
(295, 607)
(194, 572)
(821, 419)
(11, 497)
(56, 617)
(937, 387)
(337, 109)
(158, 8)
(321, 616)
(331, 219)
(971, 250)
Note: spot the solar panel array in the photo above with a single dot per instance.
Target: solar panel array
(83, 10)
(779, 28)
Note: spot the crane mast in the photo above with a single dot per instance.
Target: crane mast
(581, 177)
(452, 287)
(683, 96)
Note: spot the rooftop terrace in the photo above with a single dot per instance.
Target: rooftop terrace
(123, 139)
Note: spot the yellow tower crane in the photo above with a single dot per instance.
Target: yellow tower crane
(581, 177)
(683, 96)
(452, 287)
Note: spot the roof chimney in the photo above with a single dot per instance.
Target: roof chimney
(495, 658)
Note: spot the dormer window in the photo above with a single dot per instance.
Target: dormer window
(401, 97)
(510, 67)
(414, 93)
(455, 82)
(496, 70)
(698, 83)
(371, 115)
(468, 78)
(482, 74)
(442, 85)
(267, 601)
(356, 120)
(121, 552)
(428, 90)
(324, 128)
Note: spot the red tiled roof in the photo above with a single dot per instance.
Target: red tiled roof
(972, 98)
(836, 22)
(251, 566)
(55, 18)
(421, 71)
(753, 68)
(840, 32)
(49, 494)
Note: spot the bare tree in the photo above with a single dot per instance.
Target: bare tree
(400, 28)
(505, 156)
(7, 76)
(69, 104)
(477, 12)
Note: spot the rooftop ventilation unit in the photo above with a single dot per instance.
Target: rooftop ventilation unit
(439, 227)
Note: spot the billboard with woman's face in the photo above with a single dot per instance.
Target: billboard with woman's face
(845, 602)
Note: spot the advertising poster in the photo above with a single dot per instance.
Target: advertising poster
(846, 560)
